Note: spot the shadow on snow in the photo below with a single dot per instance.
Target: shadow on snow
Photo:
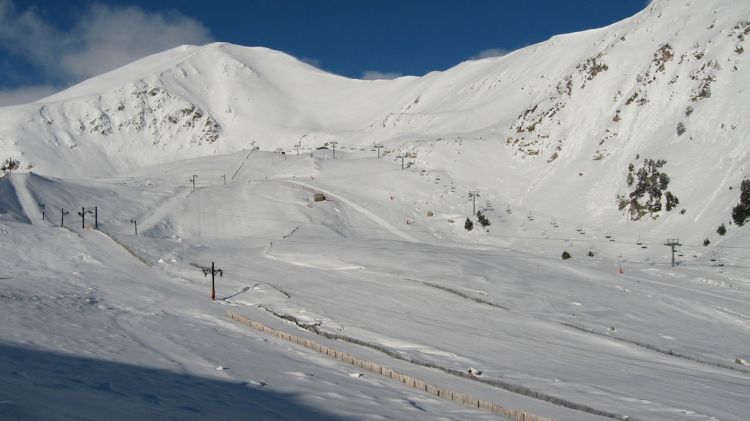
(38, 384)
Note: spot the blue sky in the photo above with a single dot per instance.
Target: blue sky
(47, 45)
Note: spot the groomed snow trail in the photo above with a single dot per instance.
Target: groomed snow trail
(378, 220)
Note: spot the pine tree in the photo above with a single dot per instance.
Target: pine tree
(483, 221)
(741, 212)
(9, 165)
(671, 200)
(721, 230)
(468, 225)
(649, 189)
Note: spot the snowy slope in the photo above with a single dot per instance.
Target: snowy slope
(650, 343)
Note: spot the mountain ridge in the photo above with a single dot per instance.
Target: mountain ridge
(567, 115)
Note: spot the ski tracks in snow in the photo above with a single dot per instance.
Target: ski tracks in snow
(378, 220)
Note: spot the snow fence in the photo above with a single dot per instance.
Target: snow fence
(415, 383)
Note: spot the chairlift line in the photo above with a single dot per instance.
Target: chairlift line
(640, 242)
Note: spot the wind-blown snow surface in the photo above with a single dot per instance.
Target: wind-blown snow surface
(340, 265)
(544, 134)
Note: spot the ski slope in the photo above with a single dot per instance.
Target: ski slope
(103, 323)
(576, 330)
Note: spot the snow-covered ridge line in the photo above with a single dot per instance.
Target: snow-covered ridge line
(518, 389)
(460, 294)
(127, 248)
(655, 348)
(387, 372)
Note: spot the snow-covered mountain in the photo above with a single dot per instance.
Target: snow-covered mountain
(571, 92)
(569, 114)
(602, 144)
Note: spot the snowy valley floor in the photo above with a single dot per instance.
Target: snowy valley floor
(107, 323)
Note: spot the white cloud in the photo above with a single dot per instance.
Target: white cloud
(109, 37)
(376, 75)
(490, 52)
(104, 38)
(26, 94)
(26, 34)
